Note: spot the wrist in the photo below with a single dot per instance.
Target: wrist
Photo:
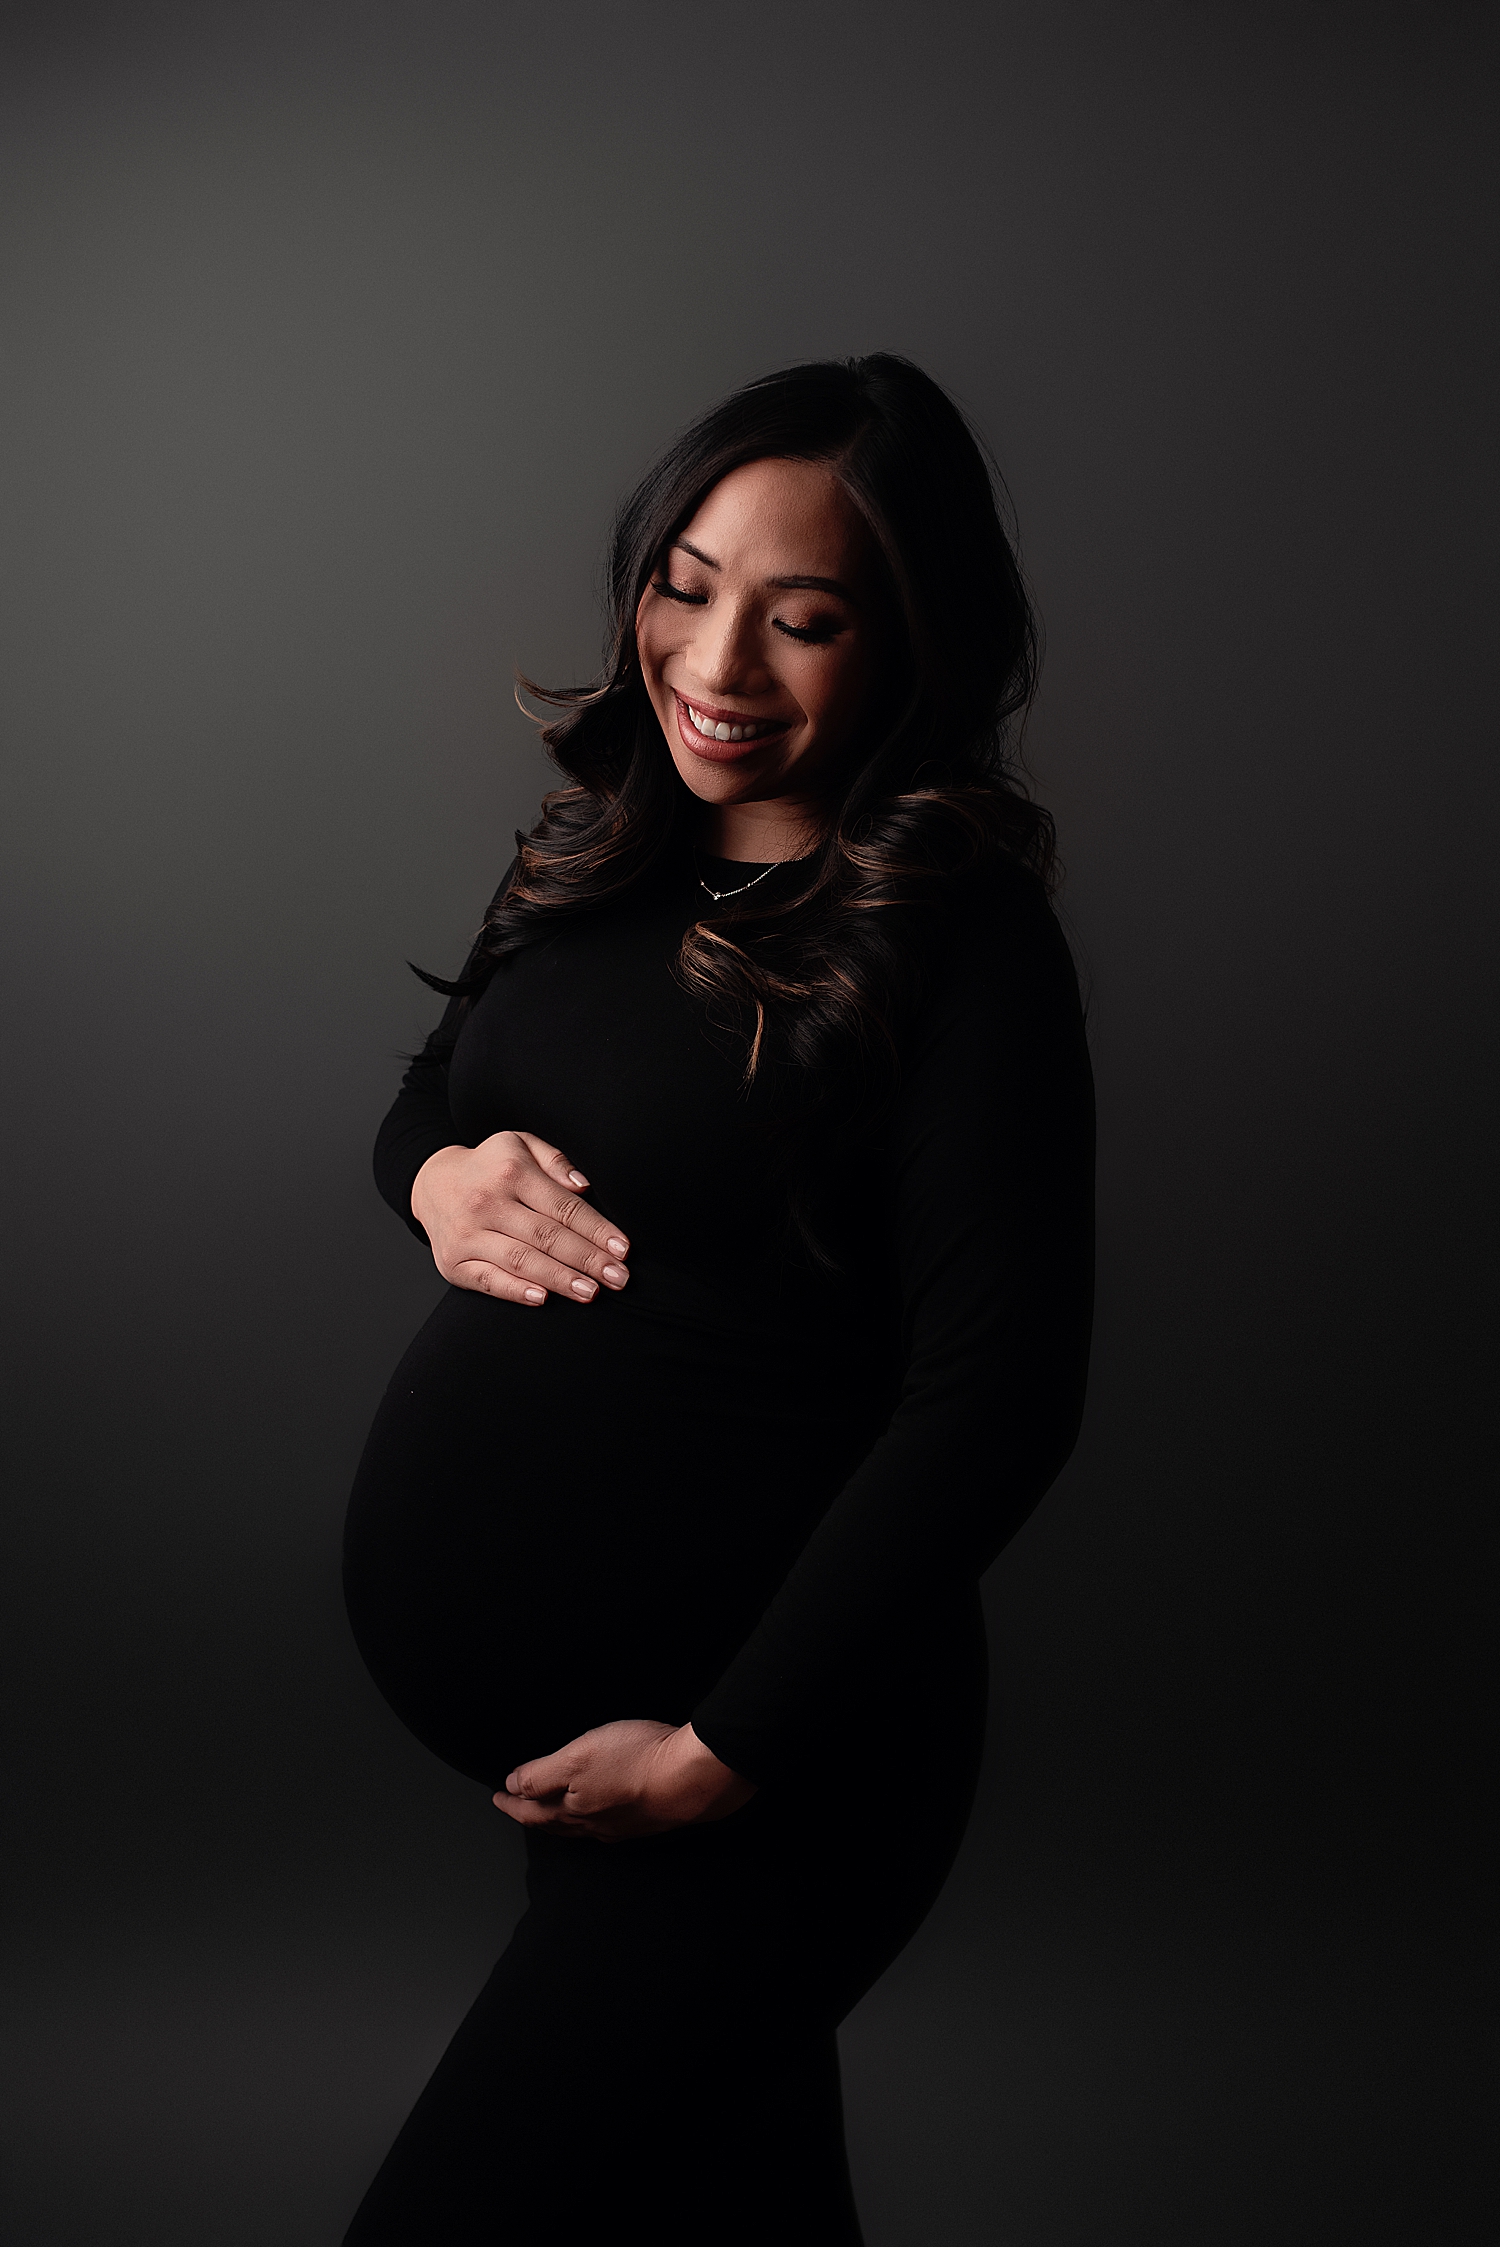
(698, 1772)
(433, 1163)
(693, 1755)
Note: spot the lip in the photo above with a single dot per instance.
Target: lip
(721, 752)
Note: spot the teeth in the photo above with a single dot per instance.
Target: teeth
(717, 730)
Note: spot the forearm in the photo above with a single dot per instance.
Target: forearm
(990, 1203)
(419, 1122)
(937, 1499)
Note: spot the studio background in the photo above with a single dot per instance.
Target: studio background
(332, 335)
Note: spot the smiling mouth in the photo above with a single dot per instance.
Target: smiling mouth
(723, 733)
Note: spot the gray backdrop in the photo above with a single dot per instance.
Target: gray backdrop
(332, 336)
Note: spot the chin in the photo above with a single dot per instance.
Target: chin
(714, 784)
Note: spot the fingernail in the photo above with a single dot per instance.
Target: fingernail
(536, 1295)
(615, 1276)
(585, 1288)
(576, 1178)
(617, 1248)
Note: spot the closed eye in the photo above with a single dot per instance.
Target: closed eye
(679, 593)
(811, 635)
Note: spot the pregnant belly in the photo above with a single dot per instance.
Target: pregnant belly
(569, 1515)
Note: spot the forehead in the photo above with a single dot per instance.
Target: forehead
(781, 518)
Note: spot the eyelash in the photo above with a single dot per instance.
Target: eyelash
(814, 635)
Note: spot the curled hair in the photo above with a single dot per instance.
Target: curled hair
(819, 976)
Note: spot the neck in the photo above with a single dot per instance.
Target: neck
(759, 833)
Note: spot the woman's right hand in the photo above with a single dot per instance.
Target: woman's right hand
(506, 1217)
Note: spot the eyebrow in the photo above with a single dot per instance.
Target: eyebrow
(781, 584)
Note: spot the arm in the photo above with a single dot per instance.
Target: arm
(991, 1198)
(419, 1121)
(503, 1218)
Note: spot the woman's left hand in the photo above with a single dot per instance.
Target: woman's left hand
(625, 1779)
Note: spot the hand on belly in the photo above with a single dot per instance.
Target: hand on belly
(505, 1218)
(622, 1780)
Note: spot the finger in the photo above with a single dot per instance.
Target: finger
(522, 1813)
(554, 1239)
(538, 1193)
(528, 1268)
(535, 1814)
(511, 1177)
(544, 1775)
(552, 1159)
(488, 1279)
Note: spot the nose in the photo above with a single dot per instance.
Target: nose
(726, 651)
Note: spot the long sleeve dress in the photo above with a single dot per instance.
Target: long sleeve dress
(749, 1490)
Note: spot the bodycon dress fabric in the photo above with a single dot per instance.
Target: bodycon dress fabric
(755, 1489)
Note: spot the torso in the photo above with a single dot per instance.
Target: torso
(572, 1514)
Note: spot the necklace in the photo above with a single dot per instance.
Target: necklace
(719, 895)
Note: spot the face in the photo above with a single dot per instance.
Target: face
(756, 639)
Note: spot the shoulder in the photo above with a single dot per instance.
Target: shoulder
(1003, 942)
(1001, 1009)
(998, 1043)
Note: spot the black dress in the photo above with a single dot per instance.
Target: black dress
(747, 1491)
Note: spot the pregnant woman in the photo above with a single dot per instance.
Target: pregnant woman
(756, 1147)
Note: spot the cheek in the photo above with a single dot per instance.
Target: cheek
(839, 689)
(653, 621)
(656, 640)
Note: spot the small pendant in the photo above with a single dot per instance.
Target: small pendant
(719, 895)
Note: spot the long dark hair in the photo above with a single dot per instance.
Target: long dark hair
(818, 975)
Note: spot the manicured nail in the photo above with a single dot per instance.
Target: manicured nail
(576, 1178)
(585, 1288)
(615, 1276)
(617, 1248)
(536, 1295)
